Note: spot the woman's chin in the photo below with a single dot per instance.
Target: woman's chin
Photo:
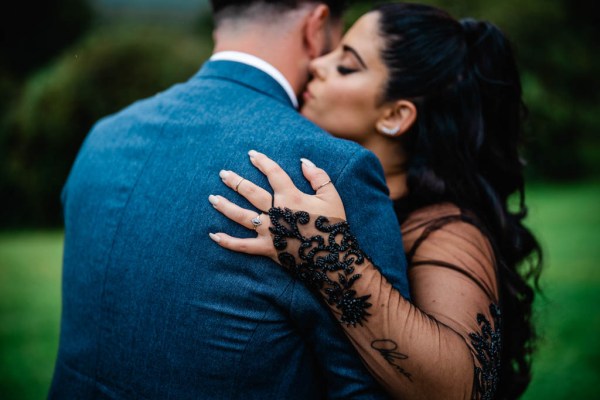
(306, 112)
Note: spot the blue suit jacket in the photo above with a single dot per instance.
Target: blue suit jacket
(152, 308)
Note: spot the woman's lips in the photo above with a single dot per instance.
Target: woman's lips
(307, 95)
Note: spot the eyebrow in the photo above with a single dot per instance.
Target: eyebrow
(355, 53)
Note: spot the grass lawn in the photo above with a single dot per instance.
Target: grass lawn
(567, 222)
(30, 267)
(566, 219)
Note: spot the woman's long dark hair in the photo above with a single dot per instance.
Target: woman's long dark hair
(463, 149)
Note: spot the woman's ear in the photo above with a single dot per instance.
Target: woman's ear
(316, 31)
(397, 118)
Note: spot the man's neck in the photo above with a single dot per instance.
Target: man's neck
(279, 53)
(260, 64)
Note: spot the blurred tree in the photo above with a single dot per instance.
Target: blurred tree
(31, 34)
(102, 74)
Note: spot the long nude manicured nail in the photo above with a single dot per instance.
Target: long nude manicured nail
(307, 162)
(214, 237)
(214, 200)
(252, 153)
(223, 174)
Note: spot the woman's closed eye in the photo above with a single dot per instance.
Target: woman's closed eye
(345, 70)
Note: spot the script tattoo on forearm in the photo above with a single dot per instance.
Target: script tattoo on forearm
(387, 348)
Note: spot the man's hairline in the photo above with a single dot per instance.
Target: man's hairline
(261, 12)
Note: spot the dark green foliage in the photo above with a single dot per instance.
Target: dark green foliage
(561, 59)
(58, 105)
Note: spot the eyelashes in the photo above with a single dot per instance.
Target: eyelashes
(345, 71)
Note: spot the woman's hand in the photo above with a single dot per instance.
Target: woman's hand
(326, 202)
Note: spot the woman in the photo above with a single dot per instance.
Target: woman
(439, 102)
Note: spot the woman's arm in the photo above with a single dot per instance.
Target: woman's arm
(446, 345)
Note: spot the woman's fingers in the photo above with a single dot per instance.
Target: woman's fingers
(256, 195)
(318, 179)
(260, 246)
(278, 178)
(236, 213)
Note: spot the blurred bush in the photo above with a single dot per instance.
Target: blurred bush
(106, 71)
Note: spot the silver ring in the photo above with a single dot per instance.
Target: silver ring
(256, 222)
(325, 184)
(239, 183)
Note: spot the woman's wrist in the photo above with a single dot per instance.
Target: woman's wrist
(323, 253)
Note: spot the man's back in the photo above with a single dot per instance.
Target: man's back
(151, 307)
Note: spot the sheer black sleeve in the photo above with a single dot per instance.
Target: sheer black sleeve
(446, 344)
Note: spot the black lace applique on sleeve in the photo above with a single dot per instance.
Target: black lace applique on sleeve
(488, 346)
(325, 260)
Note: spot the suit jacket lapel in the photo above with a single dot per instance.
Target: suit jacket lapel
(245, 75)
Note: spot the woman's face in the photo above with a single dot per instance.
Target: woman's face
(344, 96)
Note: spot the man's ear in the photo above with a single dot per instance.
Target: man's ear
(315, 31)
(397, 118)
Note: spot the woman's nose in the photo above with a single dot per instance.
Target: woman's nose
(317, 68)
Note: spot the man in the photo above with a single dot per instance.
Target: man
(152, 308)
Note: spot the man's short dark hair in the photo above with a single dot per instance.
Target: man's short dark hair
(336, 7)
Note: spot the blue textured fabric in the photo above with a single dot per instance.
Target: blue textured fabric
(152, 308)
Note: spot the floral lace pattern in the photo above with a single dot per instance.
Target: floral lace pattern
(488, 346)
(325, 262)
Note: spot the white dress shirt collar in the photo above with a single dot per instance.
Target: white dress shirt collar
(260, 64)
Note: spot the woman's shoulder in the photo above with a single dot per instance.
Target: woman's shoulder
(422, 218)
(445, 228)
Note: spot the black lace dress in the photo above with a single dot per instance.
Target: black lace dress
(446, 344)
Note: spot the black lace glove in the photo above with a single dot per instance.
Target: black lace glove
(324, 258)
